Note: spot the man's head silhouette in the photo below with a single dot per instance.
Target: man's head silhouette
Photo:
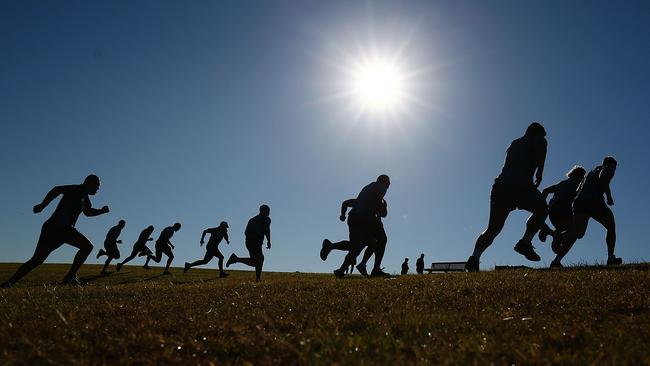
(177, 226)
(265, 210)
(384, 180)
(535, 130)
(91, 183)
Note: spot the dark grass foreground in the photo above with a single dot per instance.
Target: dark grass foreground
(580, 316)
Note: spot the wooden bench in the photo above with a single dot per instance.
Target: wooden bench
(446, 267)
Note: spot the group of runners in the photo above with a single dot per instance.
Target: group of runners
(575, 200)
(60, 229)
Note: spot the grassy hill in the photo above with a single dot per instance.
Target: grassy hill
(575, 316)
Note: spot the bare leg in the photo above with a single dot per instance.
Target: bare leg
(495, 225)
(606, 218)
(220, 257)
(201, 262)
(259, 263)
(570, 236)
(535, 221)
(85, 248)
(129, 258)
(39, 256)
(108, 261)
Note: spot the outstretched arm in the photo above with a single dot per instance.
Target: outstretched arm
(605, 178)
(90, 211)
(49, 197)
(225, 236)
(268, 235)
(170, 244)
(344, 207)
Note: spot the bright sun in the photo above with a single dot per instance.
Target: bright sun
(378, 85)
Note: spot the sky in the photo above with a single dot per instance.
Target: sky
(200, 111)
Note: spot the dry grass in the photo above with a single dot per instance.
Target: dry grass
(579, 316)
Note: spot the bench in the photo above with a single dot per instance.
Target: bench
(446, 267)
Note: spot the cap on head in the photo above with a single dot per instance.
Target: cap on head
(577, 172)
(265, 209)
(535, 129)
(223, 224)
(121, 222)
(177, 226)
(610, 161)
(150, 228)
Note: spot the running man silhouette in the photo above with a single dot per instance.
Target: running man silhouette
(140, 247)
(216, 235)
(60, 228)
(590, 203)
(405, 266)
(514, 189)
(560, 210)
(257, 229)
(164, 246)
(110, 245)
(419, 264)
(376, 247)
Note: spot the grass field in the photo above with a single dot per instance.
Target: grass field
(578, 316)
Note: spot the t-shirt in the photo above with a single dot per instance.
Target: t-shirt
(216, 235)
(565, 192)
(521, 160)
(74, 201)
(144, 237)
(113, 234)
(419, 264)
(257, 227)
(369, 201)
(165, 235)
(591, 187)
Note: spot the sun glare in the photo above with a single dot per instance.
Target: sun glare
(378, 85)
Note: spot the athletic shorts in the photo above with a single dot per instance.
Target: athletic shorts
(591, 207)
(213, 250)
(111, 249)
(254, 248)
(559, 214)
(509, 197)
(163, 248)
(54, 235)
(364, 231)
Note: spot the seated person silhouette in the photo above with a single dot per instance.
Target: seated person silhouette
(140, 247)
(60, 228)
(164, 246)
(110, 245)
(258, 228)
(212, 249)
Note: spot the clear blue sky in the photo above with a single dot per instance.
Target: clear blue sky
(200, 111)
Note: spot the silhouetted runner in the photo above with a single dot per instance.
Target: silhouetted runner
(514, 189)
(60, 228)
(164, 246)
(110, 245)
(140, 247)
(257, 229)
(376, 247)
(212, 249)
(590, 203)
(405, 266)
(364, 225)
(560, 210)
(419, 264)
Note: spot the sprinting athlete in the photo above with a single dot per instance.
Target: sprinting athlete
(590, 203)
(378, 247)
(258, 228)
(60, 228)
(110, 245)
(140, 247)
(212, 249)
(164, 246)
(514, 189)
(560, 211)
